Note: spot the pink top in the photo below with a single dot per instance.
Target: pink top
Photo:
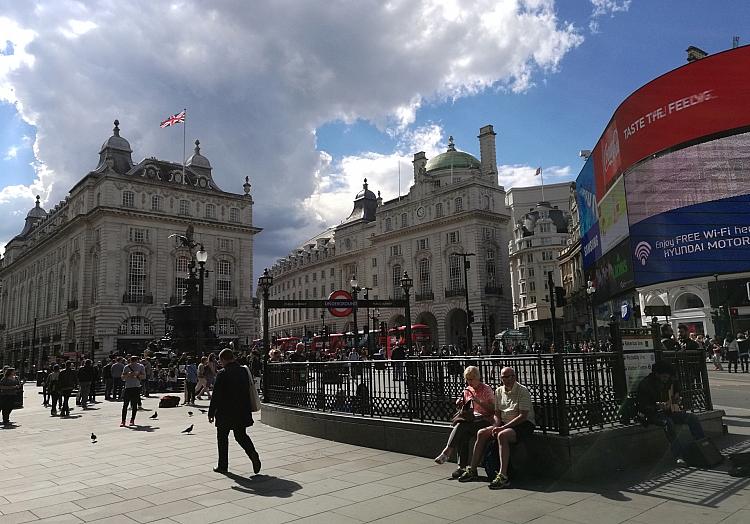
(484, 393)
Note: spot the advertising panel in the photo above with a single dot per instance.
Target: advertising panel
(586, 197)
(591, 246)
(702, 98)
(702, 239)
(613, 217)
(613, 272)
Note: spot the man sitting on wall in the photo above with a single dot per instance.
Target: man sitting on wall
(659, 401)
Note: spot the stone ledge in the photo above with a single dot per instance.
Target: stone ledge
(575, 457)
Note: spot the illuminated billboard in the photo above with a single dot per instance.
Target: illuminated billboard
(670, 178)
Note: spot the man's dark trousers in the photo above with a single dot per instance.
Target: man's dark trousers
(222, 440)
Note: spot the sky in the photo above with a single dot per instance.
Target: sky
(309, 98)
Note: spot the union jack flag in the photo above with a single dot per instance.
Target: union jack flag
(174, 119)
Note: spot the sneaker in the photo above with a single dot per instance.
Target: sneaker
(440, 459)
(255, 459)
(122, 424)
(220, 470)
(458, 472)
(469, 475)
(681, 462)
(501, 481)
(132, 422)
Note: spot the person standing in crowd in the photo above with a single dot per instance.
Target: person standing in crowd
(191, 381)
(116, 373)
(202, 385)
(743, 345)
(54, 391)
(45, 389)
(213, 369)
(66, 383)
(482, 399)
(107, 376)
(256, 368)
(9, 387)
(132, 374)
(146, 362)
(230, 408)
(95, 383)
(733, 352)
(85, 379)
(716, 350)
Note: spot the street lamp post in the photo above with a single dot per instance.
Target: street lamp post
(201, 256)
(355, 289)
(590, 290)
(375, 317)
(406, 284)
(264, 283)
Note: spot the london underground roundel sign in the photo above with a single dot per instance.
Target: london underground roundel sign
(339, 311)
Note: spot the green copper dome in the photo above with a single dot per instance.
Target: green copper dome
(452, 158)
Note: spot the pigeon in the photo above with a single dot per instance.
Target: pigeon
(155, 415)
(190, 413)
(188, 430)
(203, 410)
(93, 438)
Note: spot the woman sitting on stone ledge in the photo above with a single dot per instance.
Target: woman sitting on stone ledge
(482, 398)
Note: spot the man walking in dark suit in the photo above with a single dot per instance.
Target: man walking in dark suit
(230, 407)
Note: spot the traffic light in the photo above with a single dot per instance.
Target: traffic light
(734, 312)
(560, 296)
(471, 317)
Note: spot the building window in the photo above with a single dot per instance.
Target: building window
(388, 225)
(223, 281)
(454, 272)
(374, 262)
(138, 235)
(210, 211)
(404, 220)
(234, 215)
(128, 199)
(423, 243)
(333, 272)
(531, 272)
(374, 281)
(532, 300)
(322, 274)
(396, 250)
(137, 274)
(546, 255)
(396, 273)
(315, 276)
(425, 283)
(438, 209)
(182, 264)
(528, 243)
(453, 237)
(530, 258)
(185, 207)
(226, 326)
(155, 203)
(532, 285)
(458, 204)
(226, 244)
(487, 233)
(544, 228)
(491, 268)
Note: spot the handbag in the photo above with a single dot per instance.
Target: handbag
(465, 414)
(254, 397)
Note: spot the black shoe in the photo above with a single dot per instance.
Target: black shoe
(220, 470)
(255, 459)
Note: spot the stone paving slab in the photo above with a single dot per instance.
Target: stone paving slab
(152, 473)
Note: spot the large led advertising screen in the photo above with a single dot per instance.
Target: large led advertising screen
(670, 177)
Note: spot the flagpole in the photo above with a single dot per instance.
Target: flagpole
(541, 174)
(184, 150)
(399, 180)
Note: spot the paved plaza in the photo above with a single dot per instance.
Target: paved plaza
(51, 472)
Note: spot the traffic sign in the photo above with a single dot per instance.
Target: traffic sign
(340, 310)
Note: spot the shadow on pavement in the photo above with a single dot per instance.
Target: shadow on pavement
(147, 429)
(264, 485)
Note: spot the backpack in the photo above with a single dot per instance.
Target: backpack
(169, 401)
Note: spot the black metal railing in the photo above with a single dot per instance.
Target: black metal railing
(137, 299)
(455, 292)
(421, 297)
(571, 392)
(226, 302)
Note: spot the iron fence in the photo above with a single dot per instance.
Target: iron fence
(570, 392)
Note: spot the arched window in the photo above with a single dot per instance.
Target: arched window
(398, 292)
(224, 283)
(688, 301)
(425, 282)
(136, 274)
(181, 268)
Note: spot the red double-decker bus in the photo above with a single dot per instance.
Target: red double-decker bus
(420, 334)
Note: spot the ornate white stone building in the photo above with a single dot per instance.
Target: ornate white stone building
(455, 206)
(92, 275)
(540, 233)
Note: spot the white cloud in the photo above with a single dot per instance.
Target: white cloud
(257, 81)
(11, 153)
(604, 8)
(524, 176)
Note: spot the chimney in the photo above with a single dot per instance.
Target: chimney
(487, 154)
(695, 53)
(420, 159)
